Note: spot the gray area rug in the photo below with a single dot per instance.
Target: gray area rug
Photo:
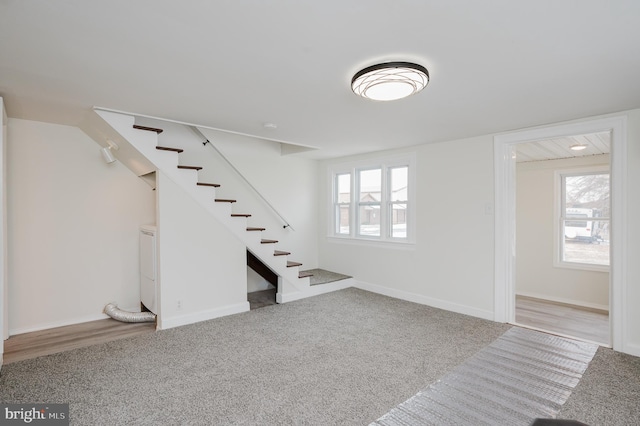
(341, 358)
(521, 376)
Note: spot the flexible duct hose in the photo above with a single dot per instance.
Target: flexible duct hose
(118, 314)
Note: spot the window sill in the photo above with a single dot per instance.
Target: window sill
(582, 266)
(389, 244)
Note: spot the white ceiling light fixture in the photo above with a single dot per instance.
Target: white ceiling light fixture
(390, 81)
(578, 147)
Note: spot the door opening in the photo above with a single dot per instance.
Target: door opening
(562, 241)
(505, 151)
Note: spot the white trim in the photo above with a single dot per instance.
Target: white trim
(389, 244)
(505, 217)
(4, 265)
(425, 300)
(201, 126)
(504, 226)
(632, 349)
(177, 321)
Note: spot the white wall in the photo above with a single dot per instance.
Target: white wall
(536, 274)
(202, 264)
(451, 264)
(73, 228)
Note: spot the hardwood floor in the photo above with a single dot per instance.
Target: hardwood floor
(60, 339)
(567, 320)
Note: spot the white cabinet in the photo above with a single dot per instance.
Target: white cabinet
(148, 281)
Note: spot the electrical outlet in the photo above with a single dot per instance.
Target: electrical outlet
(179, 304)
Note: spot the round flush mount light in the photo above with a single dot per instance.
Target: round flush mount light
(390, 81)
(578, 147)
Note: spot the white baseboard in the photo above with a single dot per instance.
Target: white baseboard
(564, 301)
(631, 349)
(315, 290)
(424, 300)
(191, 318)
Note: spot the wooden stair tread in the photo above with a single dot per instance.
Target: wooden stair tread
(240, 215)
(281, 253)
(190, 167)
(166, 148)
(150, 129)
(224, 200)
(291, 264)
(255, 229)
(305, 274)
(215, 185)
(268, 241)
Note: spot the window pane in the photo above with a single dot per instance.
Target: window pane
(369, 218)
(399, 183)
(586, 242)
(342, 219)
(589, 192)
(343, 190)
(370, 185)
(399, 220)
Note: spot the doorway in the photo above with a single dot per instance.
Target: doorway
(505, 215)
(562, 194)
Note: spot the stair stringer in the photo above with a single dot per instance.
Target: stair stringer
(290, 286)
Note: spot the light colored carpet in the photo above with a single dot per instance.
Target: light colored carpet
(342, 358)
(608, 393)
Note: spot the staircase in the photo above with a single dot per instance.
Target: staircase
(148, 157)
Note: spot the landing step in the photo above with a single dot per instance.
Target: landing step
(223, 200)
(215, 185)
(281, 253)
(291, 264)
(150, 129)
(322, 276)
(240, 215)
(268, 241)
(255, 229)
(190, 167)
(304, 275)
(166, 148)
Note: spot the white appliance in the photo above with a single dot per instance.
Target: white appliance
(148, 282)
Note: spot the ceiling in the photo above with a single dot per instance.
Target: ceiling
(558, 148)
(495, 65)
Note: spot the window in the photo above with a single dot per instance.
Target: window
(372, 201)
(584, 219)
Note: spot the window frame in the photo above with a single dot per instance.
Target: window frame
(560, 217)
(385, 204)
